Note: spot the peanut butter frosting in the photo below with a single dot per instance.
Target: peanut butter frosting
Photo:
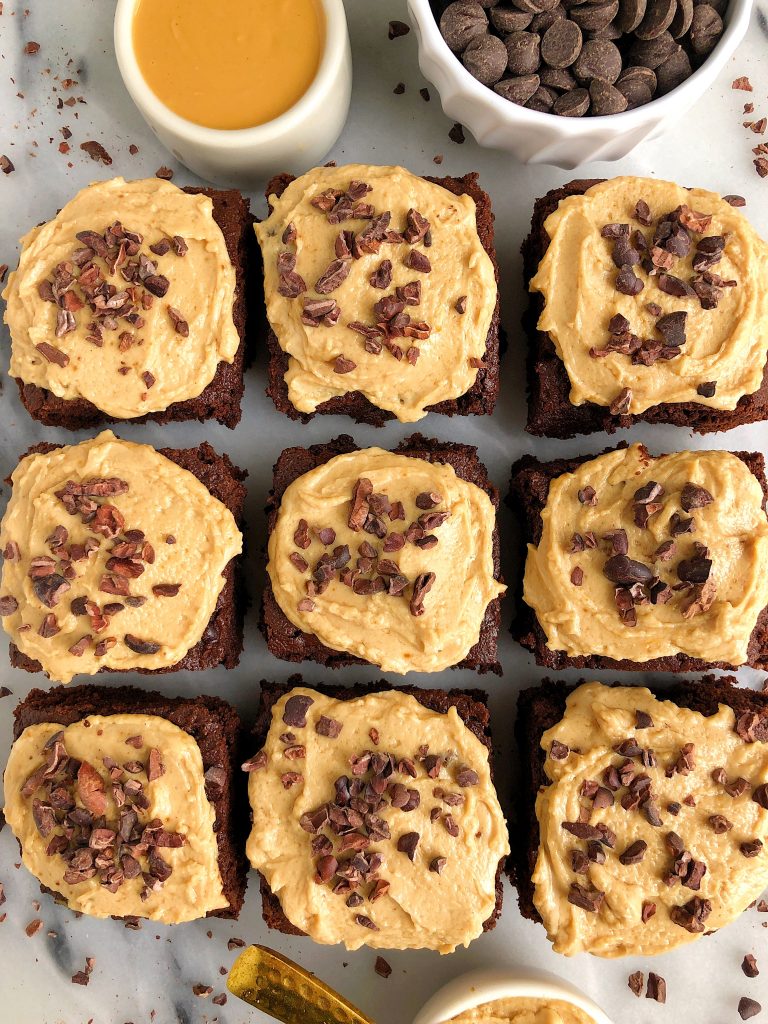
(653, 828)
(113, 558)
(654, 294)
(386, 557)
(131, 787)
(375, 821)
(376, 281)
(523, 1010)
(123, 299)
(643, 558)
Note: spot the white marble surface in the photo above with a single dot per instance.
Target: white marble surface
(154, 969)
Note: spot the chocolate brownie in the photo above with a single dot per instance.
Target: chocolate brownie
(211, 722)
(541, 707)
(529, 490)
(471, 706)
(221, 398)
(284, 640)
(550, 412)
(481, 397)
(222, 639)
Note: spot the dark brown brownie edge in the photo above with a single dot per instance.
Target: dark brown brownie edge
(221, 398)
(481, 397)
(222, 639)
(287, 642)
(471, 707)
(541, 707)
(550, 412)
(211, 722)
(529, 490)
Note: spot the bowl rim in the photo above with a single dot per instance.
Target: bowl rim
(334, 48)
(736, 20)
(484, 985)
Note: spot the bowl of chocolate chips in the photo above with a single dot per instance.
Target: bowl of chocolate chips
(569, 81)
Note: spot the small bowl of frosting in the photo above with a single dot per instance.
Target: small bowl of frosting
(502, 996)
(238, 90)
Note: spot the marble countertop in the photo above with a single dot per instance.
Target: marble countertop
(147, 975)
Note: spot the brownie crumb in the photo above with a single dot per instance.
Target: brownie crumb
(6, 166)
(399, 89)
(424, 93)
(164, 172)
(748, 1008)
(456, 134)
(656, 988)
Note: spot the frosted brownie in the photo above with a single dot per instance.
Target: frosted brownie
(381, 290)
(106, 565)
(643, 814)
(648, 303)
(131, 304)
(123, 801)
(389, 830)
(388, 558)
(636, 562)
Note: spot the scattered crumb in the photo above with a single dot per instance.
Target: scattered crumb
(743, 83)
(220, 999)
(83, 977)
(202, 991)
(235, 944)
(5, 165)
(33, 927)
(635, 982)
(399, 89)
(398, 29)
(32, 48)
(164, 172)
(749, 966)
(456, 134)
(133, 149)
(382, 968)
(424, 93)
(437, 158)
(3, 272)
(96, 152)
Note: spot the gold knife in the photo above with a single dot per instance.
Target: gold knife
(277, 986)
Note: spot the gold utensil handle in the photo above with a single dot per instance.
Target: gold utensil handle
(277, 986)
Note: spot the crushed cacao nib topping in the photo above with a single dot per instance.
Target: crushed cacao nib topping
(92, 845)
(81, 285)
(344, 829)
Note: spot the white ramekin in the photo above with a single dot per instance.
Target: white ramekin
(483, 986)
(537, 138)
(299, 138)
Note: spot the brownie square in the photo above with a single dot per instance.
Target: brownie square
(529, 490)
(219, 400)
(471, 707)
(550, 413)
(211, 722)
(284, 640)
(222, 639)
(541, 707)
(481, 397)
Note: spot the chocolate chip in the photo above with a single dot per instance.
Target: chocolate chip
(561, 44)
(329, 727)
(626, 571)
(606, 99)
(398, 29)
(139, 646)
(519, 89)
(627, 282)
(523, 52)
(572, 104)
(673, 72)
(748, 1008)
(706, 29)
(485, 57)
(461, 22)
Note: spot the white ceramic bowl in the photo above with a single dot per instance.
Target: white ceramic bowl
(299, 138)
(539, 138)
(478, 987)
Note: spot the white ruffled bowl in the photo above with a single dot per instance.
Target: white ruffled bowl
(483, 986)
(537, 138)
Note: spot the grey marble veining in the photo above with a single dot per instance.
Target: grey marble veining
(154, 969)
